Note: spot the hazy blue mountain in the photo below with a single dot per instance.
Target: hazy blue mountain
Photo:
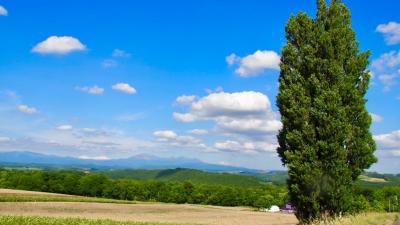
(134, 162)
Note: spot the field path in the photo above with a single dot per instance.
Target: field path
(154, 212)
(147, 212)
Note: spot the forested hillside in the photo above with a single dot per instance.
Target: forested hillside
(99, 185)
(180, 175)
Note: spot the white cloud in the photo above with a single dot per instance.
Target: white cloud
(388, 80)
(254, 64)
(64, 127)
(387, 68)
(388, 144)
(171, 138)
(241, 113)
(4, 139)
(245, 117)
(198, 131)
(168, 134)
(376, 118)
(118, 53)
(185, 99)
(3, 11)
(245, 147)
(235, 146)
(59, 45)
(94, 90)
(26, 109)
(124, 87)
(391, 32)
(89, 130)
(94, 157)
(78, 142)
(388, 141)
(232, 59)
(184, 117)
(387, 60)
(109, 63)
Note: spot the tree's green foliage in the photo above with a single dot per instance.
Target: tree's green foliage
(94, 184)
(182, 174)
(99, 185)
(325, 141)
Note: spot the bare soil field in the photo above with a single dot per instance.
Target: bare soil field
(22, 192)
(151, 212)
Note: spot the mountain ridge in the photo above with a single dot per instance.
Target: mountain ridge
(142, 161)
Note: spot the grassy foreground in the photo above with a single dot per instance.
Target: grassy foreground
(35, 220)
(366, 219)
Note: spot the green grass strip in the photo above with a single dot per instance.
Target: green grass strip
(36, 220)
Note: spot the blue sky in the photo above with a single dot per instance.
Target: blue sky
(169, 78)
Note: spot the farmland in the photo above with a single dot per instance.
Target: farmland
(139, 212)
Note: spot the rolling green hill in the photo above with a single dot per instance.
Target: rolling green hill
(373, 179)
(275, 177)
(180, 175)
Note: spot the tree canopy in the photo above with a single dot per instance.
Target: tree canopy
(325, 141)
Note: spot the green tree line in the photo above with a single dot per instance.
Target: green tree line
(99, 185)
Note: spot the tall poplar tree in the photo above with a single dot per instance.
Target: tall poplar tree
(325, 141)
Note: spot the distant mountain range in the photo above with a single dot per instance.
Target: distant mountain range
(18, 158)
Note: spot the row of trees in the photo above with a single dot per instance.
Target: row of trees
(98, 185)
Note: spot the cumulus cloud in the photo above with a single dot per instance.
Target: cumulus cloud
(124, 87)
(118, 53)
(94, 90)
(387, 68)
(198, 131)
(3, 11)
(391, 32)
(59, 45)
(376, 118)
(388, 143)
(245, 116)
(240, 112)
(185, 99)
(171, 138)
(26, 109)
(254, 64)
(64, 127)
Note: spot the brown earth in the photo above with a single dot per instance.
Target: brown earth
(160, 212)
